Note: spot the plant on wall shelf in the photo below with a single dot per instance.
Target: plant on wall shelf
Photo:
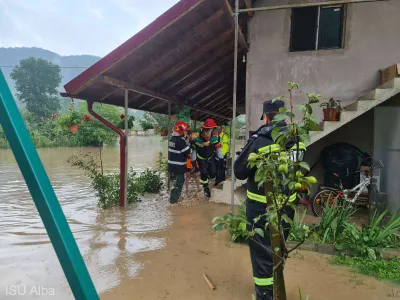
(332, 109)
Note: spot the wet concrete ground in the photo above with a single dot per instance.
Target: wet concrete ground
(191, 249)
(150, 251)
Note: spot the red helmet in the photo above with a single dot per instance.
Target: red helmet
(209, 123)
(180, 127)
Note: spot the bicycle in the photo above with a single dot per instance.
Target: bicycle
(340, 194)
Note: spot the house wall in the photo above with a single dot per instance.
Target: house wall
(387, 150)
(371, 43)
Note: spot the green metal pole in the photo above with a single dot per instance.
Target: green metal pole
(44, 197)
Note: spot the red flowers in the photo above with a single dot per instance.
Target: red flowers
(87, 118)
(54, 116)
(122, 116)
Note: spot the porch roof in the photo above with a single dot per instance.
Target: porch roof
(184, 57)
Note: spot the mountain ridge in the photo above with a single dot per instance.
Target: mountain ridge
(10, 57)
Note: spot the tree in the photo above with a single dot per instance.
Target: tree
(145, 125)
(94, 133)
(36, 81)
(159, 121)
(282, 175)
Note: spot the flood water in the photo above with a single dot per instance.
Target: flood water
(108, 240)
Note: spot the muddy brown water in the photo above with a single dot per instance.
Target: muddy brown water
(108, 239)
(149, 251)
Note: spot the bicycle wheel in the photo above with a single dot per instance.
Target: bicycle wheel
(320, 199)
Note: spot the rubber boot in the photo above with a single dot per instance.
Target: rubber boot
(174, 196)
(207, 192)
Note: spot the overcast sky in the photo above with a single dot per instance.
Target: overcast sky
(70, 27)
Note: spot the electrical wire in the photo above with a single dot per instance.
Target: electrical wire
(60, 67)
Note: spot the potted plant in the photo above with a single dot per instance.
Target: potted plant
(121, 123)
(164, 132)
(71, 120)
(332, 109)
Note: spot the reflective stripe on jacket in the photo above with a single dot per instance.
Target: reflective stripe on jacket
(178, 152)
(261, 142)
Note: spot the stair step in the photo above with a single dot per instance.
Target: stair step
(394, 83)
(351, 107)
(354, 110)
(379, 94)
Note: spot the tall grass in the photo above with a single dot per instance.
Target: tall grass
(334, 221)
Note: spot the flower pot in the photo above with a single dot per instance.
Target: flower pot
(331, 114)
(73, 128)
(327, 114)
(335, 114)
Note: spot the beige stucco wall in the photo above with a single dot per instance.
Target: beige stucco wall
(371, 42)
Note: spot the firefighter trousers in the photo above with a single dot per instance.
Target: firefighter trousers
(208, 170)
(260, 249)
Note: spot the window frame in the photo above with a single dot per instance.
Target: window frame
(343, 8)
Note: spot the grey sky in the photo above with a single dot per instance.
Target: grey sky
(70, 27)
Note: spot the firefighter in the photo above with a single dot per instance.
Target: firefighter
(256, 204)
(224, 141)
(193, 167)
(221, 164)
(206, 149)
(178, 151)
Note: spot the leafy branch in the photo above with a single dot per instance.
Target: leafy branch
(282, 173)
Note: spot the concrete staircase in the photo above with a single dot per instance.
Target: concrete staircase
(356, 109)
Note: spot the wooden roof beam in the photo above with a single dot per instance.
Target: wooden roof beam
(242, 41)
(183, 39)
(195, 56)
(249, 6)
(307, 4)
(150, 93)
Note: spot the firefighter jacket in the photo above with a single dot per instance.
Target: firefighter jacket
(261, 142)
(224, 141)
(202, 152)
(178, 151)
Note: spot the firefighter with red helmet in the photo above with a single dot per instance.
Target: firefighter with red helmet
(206, 150)
(178, 151)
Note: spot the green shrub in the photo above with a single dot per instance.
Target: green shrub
(162, 164)
(365, 242)
(107, 186)
(149, 182)
(234, 224)
(299, 231)
(333, 222)
(380, 269)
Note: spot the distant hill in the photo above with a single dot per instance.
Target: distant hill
(12, 56)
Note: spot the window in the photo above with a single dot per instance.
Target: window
(317, 27)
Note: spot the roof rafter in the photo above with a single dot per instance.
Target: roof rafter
(150, 93)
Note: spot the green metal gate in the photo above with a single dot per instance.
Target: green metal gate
(44, 197)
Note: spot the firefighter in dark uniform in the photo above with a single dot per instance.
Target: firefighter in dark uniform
(261, 141)
(206, 149)
(178, 152)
